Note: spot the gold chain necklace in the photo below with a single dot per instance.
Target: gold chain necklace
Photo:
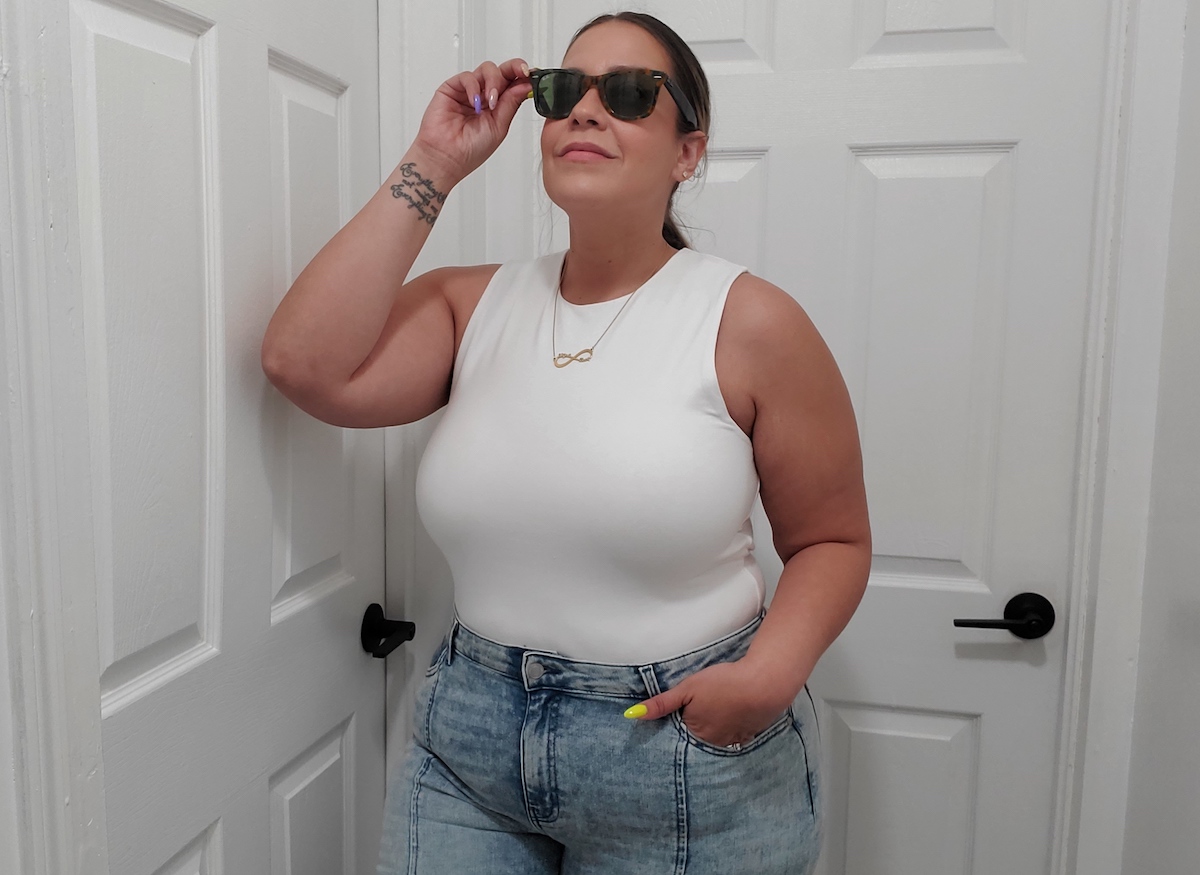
(562, 359)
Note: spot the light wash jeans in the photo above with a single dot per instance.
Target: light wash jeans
(522, 763)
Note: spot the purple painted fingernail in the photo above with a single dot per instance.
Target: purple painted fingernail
(478, 105)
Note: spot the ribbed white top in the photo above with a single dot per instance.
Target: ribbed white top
(600, 510)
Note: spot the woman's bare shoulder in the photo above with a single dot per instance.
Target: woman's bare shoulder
(755, 306)
(462, 286)
(766, 338)
(753, 309)
(762, 322)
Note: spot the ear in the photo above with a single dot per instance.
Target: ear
(692, 147)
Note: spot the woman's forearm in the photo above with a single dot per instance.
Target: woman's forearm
(818, 591)
(333, 314)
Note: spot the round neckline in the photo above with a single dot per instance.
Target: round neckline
(594, 303)
(649, 279)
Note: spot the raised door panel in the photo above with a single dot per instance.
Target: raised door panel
(237, 540)
(151, 334)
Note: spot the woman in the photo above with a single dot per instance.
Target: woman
(611, 413)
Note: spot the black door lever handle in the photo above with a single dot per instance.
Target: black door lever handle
(1027, 615)
(379, 635)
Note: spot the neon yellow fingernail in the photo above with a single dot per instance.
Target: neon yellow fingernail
(637, 711)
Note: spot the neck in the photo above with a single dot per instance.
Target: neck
(610, 258)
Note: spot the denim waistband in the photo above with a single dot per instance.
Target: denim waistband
(539, 669)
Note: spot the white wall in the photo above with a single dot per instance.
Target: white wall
(1163, 820)
(9, 640)
(9, 861)
(9, 794)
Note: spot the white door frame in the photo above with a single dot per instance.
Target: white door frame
(1134, 195)
(52, 815)
(47, 588)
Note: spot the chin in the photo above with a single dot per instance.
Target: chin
(581, 192)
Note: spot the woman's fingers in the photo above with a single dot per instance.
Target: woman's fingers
(499, 80)
(493, 82)
(471, 113)
(514, 69)
(481, 89)
(661, 705)
(466, 89)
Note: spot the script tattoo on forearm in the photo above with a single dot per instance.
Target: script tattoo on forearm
(420, 193)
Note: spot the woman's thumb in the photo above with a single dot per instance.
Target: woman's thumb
(659, 706)
(510, 101)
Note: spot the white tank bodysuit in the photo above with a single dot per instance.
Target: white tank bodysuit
(600, 510)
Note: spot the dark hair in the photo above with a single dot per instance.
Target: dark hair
(687, 73)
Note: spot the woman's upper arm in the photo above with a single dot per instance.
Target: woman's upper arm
(805, 436)
(407, 374)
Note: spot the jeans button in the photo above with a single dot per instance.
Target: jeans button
(534, 670)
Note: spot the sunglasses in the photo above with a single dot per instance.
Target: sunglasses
(626, 94)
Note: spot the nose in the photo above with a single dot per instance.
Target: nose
(590, 109)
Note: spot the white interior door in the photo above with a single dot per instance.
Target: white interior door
(920, 177)
(237, 542)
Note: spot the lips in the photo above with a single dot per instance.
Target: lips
(585, 147)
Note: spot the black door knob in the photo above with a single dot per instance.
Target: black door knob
(1027, 615)
(379, 635)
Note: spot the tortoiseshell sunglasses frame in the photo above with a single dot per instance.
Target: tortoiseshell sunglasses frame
(660, 78)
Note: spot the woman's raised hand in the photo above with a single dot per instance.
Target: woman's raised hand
(470, 115)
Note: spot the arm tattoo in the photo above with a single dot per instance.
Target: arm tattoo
(420, 193)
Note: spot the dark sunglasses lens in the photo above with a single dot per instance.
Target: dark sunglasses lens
(557, 93)
(630, 94)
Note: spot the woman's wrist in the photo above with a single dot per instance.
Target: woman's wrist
(433, 165)
(781, 655)
(776, 682)
(422, 182)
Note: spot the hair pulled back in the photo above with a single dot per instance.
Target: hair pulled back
(687, 73)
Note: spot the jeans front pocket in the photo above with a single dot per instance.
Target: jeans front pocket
(753, 804)
(424, 696)
(781, 723)
(439, 656)
(811, 762)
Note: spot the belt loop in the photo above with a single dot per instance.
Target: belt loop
(450, 640)
(650, 679)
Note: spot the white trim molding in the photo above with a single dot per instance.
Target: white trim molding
(48, 647)
(1134, 212)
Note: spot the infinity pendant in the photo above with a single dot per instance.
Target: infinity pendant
(565, 358)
